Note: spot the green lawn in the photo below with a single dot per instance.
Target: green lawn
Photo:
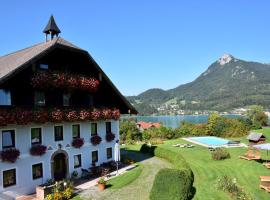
(207, 171)
(125, 179)
(137, 182)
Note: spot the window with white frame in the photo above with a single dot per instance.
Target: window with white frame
(36, 137)
(77, 161)
(93, 129)
(109, 153)
(5, 97)
(37, 171)
(8, 139)
(108, 127)
(58, 133)
(76, 131)
(94, 156)
(9, 177)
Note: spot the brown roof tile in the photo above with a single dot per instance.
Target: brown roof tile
(12, 61)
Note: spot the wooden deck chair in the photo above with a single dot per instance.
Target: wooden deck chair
(249, 155)
(265, 183)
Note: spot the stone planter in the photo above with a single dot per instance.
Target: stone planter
(43, 191)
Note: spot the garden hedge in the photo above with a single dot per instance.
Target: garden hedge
(171, 184)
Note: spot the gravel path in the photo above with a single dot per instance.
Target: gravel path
(137, 190)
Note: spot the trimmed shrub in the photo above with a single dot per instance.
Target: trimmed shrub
(220, 154)
(170, 184)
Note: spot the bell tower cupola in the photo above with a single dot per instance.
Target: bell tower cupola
(51, 29)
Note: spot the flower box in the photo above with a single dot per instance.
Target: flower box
(95, 140)
(25, 116)
(10, 155)
(71, 116)
(78, 142)
(110, 137)
(38, 150)
(50, 80)
(57, 115)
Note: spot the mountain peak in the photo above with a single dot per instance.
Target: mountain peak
(225, 58)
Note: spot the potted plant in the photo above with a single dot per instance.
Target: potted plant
(101, 184)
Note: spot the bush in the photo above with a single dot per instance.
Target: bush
(220, 154)
(129, 131)
(227, 184)
(156, 141)
(171, 184)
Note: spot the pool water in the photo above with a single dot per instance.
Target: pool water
(209, 140)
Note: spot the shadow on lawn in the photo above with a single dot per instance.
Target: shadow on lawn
(137, 156)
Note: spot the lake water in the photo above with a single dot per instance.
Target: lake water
(174, 121)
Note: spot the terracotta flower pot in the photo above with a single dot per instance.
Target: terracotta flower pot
(101, 186)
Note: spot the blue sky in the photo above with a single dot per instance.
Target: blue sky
(144, 44)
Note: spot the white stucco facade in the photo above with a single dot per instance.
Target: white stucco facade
(25, 184)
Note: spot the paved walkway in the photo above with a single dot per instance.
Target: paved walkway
(137, 190)
(93, 182)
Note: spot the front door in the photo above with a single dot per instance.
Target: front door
(59, 167)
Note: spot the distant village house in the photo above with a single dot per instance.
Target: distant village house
(146, 125)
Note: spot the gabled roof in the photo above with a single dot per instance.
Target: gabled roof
(13, 62)
(51, 27)
(147, 125)
(255, 136)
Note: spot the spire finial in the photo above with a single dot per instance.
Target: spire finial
(51, 28)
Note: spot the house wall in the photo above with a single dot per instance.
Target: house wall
(25, 184)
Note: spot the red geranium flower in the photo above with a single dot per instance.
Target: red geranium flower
(57, 115)
(110, 137)
(38, 150)
(95, 140)
(72, 116)
(10, 155)
(78, 142)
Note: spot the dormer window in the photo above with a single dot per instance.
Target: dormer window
(44, 66)
(5, 98)
(39, 98)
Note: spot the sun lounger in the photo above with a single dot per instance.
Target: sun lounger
(265, 178)
(190, 146)
(176, 145)
(251, 156)
(265, 183)
(267, 165)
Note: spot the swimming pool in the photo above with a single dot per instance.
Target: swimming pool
(208, 141)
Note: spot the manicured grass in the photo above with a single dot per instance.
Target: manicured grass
(207, 171)
(125, 179)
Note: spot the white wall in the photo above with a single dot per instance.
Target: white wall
(25, 183)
